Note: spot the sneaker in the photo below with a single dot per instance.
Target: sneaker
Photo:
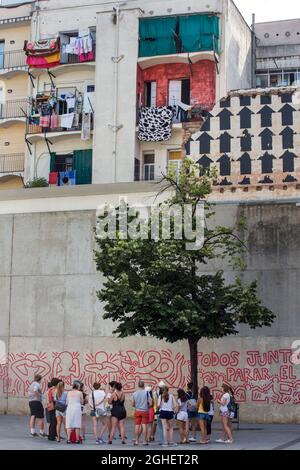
(173, 444)
(192, 439)
(165, 445)
(229, 441)
(221, 440)
(33, 434)
(100, 441)
(43, 434)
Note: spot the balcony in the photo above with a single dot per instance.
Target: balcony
(12, 61)
(13, 109)
(33, 127)
(12, 163)
(67, 59)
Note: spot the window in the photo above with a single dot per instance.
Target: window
(63, 162)
(150, 94)
(180, 92)
(177, 34)
(276, 79)
(2, 45)
(174, 161)
(149, 166)
(262, 81)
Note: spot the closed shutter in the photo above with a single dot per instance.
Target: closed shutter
(199, 33)
(157, 36)
(52, 161)
(83, 164)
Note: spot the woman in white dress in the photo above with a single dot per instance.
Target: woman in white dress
(73, 415)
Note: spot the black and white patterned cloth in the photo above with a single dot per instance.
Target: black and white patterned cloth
(155, 124)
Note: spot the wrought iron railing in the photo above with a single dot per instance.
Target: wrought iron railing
(12, 163)
(35, 128)
(13, 109)
(12, 59)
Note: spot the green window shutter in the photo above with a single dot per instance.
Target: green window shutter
(157, 36)
(52, 161)
(83, 163)
(199, 33)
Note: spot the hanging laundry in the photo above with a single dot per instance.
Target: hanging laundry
(45, 121)
(70, 105)
(54, 121)
(48, 61)
(42, 47)
(44, 53)
(67, 120)
(86, 126)
(53, 177)
(67, 178)
(71, 47)
(155, 124)
(76, 120)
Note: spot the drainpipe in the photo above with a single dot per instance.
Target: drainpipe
(253, 60)
(116, 59)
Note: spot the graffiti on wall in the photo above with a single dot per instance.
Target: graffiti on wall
(260, 377)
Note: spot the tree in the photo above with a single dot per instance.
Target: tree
(157, 288)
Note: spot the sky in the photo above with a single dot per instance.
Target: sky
(265, 10)
(269, 10)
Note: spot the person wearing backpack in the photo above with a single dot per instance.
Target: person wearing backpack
(60, 398)
(227, 407)
(192, 412)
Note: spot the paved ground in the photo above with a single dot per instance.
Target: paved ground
(14, 435)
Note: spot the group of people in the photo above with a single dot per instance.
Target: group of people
(155, 410)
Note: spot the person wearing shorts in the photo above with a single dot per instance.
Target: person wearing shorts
(167, 405)
(192, 412)
(141, 402)
(35, 397)
(182, 416)
(226, 415)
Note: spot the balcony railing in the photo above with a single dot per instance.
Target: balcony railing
(196, 113)
(12, 163)
(12, 60)
(35, 128)
(13, 109)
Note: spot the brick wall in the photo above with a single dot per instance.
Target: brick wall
(202, 76)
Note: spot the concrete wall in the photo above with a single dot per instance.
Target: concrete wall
(238, 40)
(52, 322)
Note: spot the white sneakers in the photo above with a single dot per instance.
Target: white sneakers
(228, 441)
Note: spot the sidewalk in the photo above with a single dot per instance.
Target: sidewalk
(14, 435)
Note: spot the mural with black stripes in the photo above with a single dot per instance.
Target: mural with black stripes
(252, 137)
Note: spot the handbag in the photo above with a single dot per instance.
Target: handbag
(97, 412)
(60, 407)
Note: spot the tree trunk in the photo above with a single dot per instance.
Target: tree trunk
(193, 345)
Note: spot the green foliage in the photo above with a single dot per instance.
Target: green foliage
(37, 183)
(160, 288)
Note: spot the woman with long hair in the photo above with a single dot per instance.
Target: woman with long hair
(226, 414)
(203, 407)
(60, 398)
(118, 412)
(167, 406)
(182, 416)
(210, 414)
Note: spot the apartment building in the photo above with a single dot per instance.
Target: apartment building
(15, 27)
(278, 53)
(101, 84)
